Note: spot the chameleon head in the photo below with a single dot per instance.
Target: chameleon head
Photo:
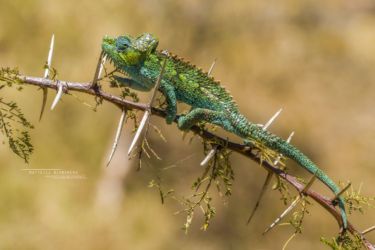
(125, 51)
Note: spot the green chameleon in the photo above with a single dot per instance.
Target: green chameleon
(139, 59)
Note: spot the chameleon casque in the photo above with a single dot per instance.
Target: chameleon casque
(181, 81)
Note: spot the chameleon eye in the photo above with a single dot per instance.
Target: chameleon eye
(122, 43)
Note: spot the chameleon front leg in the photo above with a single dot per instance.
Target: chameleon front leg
(170, 96)
(165, 88)
(200, 114)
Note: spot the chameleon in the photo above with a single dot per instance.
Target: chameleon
(140, 63)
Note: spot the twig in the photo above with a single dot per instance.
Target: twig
(289, 240)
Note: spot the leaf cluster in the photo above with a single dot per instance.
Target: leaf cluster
(13, 124)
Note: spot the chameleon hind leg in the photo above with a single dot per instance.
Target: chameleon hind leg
(200, 114)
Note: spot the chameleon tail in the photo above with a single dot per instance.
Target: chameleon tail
(343, 213)
(276, 143)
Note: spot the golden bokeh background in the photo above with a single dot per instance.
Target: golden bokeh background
(315, 59)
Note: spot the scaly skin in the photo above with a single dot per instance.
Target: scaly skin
(182, 81)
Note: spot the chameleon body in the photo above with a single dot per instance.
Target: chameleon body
(181, 81)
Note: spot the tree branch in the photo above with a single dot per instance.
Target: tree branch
(245, 150)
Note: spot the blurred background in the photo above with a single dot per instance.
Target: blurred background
(314, 59)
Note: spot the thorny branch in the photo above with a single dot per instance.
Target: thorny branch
(323, 201)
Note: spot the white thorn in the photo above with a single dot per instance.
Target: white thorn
(102, 65)
(272, 119)
(280, 155)
(49, 59)
(148, 112)
(277, 160)
(293, 205)
(212, 67)
(337, 196)
(44, 102)
(157, 84)
(208, 157)
(309, 184)
(368, 230)
(58, 95)
(290, 137)
(99, 68)
(262, 191)
(46, 75)
(117, 137)
(139, 130)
